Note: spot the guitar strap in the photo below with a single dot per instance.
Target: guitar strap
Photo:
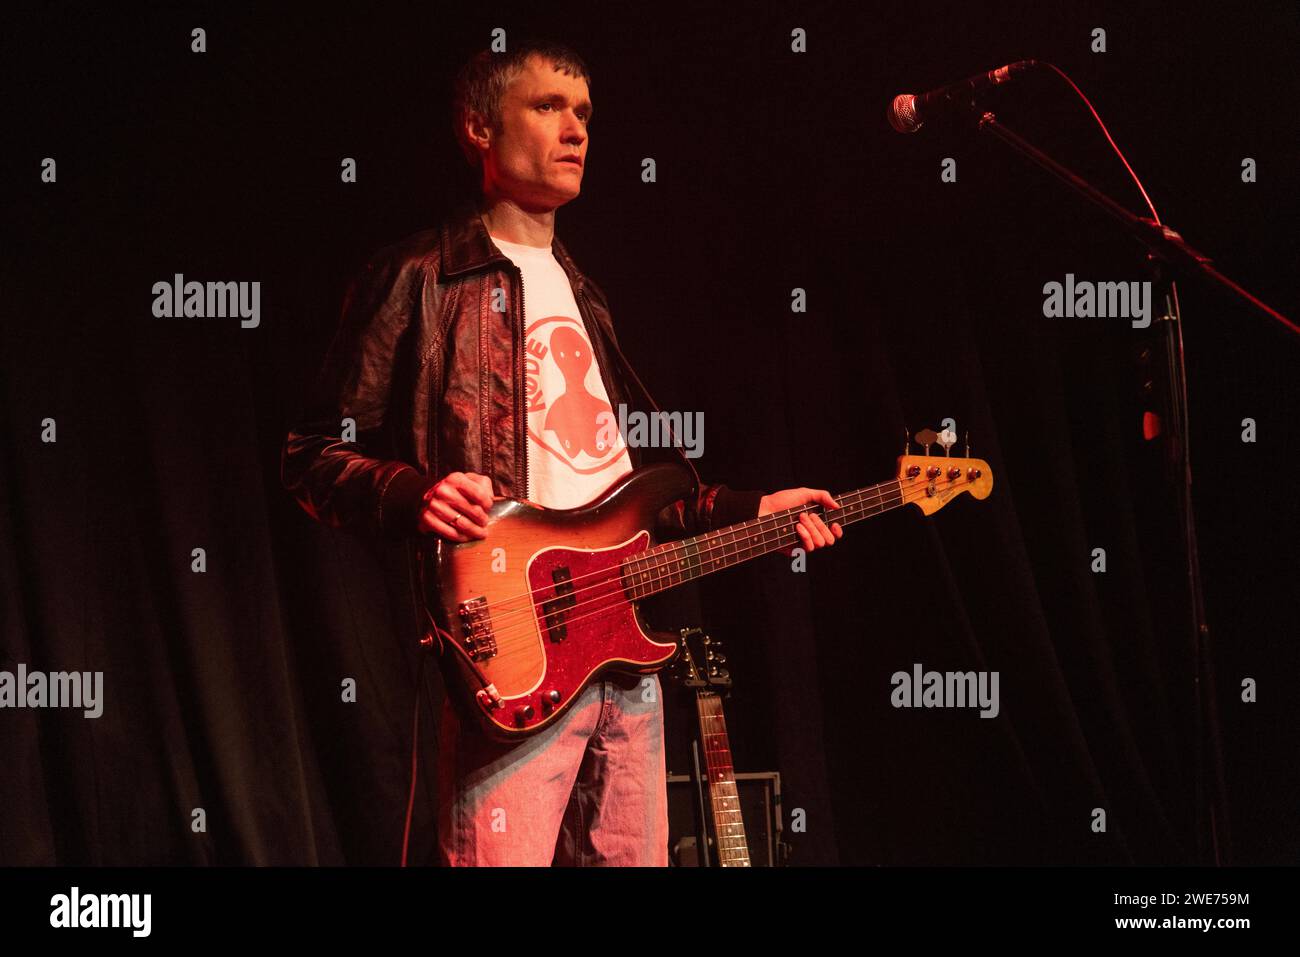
(654, 406)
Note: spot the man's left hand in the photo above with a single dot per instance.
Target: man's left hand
(811, 528)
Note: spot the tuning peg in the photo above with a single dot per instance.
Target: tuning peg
(927, 438)
(947, 438)
(968, 443)
(907, 444)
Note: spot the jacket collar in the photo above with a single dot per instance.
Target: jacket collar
(467, 247)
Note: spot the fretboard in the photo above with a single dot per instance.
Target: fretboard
(728, 826)
(674, 563)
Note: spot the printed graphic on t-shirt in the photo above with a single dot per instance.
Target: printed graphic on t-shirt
(573, 453)
(565, 399)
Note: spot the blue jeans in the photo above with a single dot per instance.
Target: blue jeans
(589, 790)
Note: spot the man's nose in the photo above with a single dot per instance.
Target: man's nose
(574, 132)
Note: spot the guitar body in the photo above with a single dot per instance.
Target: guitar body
(537, 610)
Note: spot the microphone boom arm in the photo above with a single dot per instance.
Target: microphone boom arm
(1162, 241)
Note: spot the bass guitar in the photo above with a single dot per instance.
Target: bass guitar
(548, 602)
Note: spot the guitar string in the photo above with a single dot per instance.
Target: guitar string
(723, 792)
(523, 604)
(512, 604)
(724, 796)
(515, 636)
(773, 519)
(655, 561)
(522, 633)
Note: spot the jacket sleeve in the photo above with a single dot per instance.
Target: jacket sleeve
(340, 483)
(713, 506)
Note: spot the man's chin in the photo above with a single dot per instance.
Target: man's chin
(560, 197)
(553, 198)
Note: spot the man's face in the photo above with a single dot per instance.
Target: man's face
(536, 155)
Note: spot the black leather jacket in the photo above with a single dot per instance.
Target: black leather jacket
(433, 378)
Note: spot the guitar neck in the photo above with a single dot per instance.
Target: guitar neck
(675, 563)
(728, 825)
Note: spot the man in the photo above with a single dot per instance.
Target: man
(474, 361)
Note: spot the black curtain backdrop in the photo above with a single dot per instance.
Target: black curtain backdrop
(776, 171)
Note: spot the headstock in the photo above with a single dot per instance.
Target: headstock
(695, 647)
(684, 667)
(931, 481)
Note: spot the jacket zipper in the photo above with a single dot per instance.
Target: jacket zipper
(521, 383)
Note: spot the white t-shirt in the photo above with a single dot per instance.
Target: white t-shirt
(573, 455)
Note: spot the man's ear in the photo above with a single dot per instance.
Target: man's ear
(477, 130)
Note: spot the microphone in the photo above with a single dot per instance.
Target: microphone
(908, 111)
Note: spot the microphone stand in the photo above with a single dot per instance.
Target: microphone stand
(1162, 242)
(1166, 247)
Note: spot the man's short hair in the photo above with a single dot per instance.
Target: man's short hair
(482, 81)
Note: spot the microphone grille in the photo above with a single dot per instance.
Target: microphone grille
(902, 113)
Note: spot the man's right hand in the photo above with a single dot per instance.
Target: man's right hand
(456, 508)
